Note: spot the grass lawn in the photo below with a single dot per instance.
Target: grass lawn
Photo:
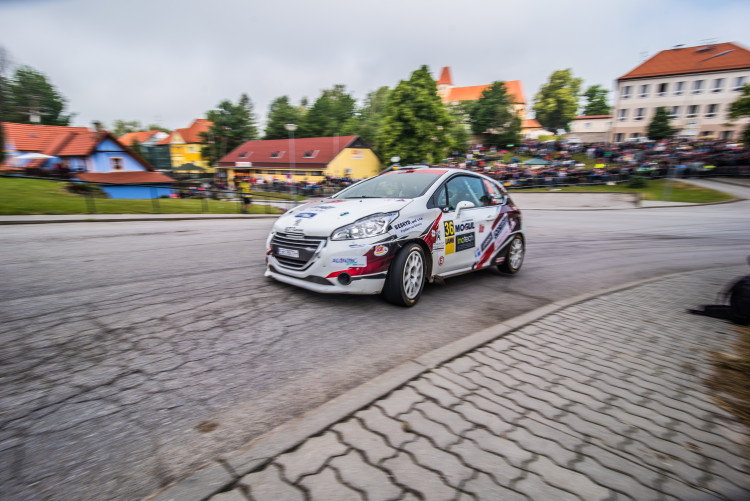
(660, 189)
(39, 196)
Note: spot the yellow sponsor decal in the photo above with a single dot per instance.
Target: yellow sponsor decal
(450, 245)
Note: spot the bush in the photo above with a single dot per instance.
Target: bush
(637, 182)
(91, 190)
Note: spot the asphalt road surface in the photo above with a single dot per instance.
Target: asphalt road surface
(132, 353)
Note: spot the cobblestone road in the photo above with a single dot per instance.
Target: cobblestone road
(603, 400)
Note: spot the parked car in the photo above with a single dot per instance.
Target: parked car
(391, 233)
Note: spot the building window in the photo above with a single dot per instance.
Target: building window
(626, 92)
(726, 134)
(707, 133)
(618, 137)
(640, 113)
(644, 91)
(275, 154)
(622, 115)
(242, 154)
(739, 82)
(587, 125)
(674, 112)
(718, 85)
(663, 88)
(311, 154)
(711, 110)
(697, 86)
(635, 135)
(116, 163)
(692, 110)
(679, 88)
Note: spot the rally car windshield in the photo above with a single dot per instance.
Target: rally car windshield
(395, 185)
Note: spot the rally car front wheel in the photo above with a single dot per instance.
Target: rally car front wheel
(406, 276)
(513, 256)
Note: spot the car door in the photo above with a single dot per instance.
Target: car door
(507, 222)
(467, 217)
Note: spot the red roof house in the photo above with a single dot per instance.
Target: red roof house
(77, 152)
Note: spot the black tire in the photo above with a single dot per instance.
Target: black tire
(514, 254)
(406, 276)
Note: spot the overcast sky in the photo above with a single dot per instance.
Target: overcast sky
(170, 61)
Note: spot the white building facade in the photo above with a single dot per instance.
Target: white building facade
(696, 85)
(590, 128)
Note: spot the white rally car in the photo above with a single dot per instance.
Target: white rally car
(390, 233)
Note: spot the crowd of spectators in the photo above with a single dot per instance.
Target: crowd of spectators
(558, 163)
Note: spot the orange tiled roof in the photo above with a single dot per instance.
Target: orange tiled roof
(474, 92)
(140, 136)
(57, 140)
(38, 138)
(259, 152)
(700, 59)
(191, 135)
(125, 177)
(445, 76)
(530, 123)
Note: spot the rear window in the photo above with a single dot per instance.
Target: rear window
(392, 185)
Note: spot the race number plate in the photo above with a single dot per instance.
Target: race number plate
(288, 252)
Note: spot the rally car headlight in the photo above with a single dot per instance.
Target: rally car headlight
(365, 227)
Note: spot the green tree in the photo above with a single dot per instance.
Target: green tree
(280, 113)
(30, 98)
(232, 125)
(122, 127)
(4, 64)
(556, 103)
(157, 127)
(368, 118)
(494, 118)
(329, 114)
(741, 108)
(416, 121)
(137, 148)
(659, 128)
(458, 131)
(596, 101)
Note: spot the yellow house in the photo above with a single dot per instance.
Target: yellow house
(186, 146)
(307, 159)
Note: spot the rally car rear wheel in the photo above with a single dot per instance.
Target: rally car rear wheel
(406, 276)
(513, 256)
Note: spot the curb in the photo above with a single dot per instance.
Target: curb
(178, 217)
(227, 470)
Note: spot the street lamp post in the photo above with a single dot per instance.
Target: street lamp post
(291, 128)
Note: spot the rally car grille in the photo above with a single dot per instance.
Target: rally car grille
(295, 252)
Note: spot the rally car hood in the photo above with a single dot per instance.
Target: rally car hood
(322, 217)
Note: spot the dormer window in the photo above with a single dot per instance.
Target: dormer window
(311, 154)
(275, 154)
(242, 154)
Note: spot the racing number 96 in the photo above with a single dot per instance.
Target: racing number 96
(449, 230)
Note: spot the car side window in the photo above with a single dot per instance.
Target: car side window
(494, 195)
(465, 188)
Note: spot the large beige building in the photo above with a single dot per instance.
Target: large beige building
(696, 85)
